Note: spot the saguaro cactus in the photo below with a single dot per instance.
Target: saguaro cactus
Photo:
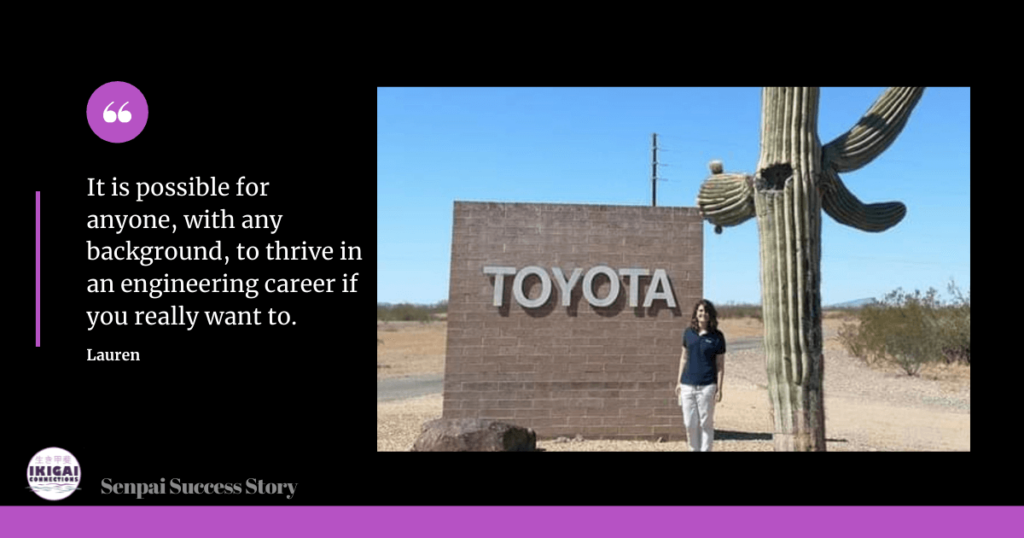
(796, 178)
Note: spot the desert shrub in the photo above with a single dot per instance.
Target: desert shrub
(736, 311)
(843, 313)
(910, 330)
(410, 312)
(849, 336)
(955, 328)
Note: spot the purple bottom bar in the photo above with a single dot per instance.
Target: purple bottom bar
(510, 522)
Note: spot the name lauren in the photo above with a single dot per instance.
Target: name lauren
(112, 355)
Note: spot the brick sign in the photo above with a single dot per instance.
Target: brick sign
(568, 319)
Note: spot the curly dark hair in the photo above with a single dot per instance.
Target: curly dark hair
(712, 316)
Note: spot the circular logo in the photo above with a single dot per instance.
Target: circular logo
(53, 473)
(117, 112)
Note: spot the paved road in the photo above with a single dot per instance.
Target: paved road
(744, 343)
(400, 388)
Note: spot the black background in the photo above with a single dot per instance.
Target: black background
(214, 404)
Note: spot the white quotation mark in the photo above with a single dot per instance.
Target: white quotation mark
(122, 114)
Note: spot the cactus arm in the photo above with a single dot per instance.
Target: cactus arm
(845, 208)
(726, 199)
(875, 131)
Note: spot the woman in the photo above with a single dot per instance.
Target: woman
(701, 368)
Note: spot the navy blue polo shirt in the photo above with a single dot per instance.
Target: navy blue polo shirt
(701, 350)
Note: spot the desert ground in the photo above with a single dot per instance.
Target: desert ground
(867, 408)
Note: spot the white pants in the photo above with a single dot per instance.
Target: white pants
(698, 402)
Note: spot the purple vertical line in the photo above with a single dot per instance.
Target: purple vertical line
(37, 268)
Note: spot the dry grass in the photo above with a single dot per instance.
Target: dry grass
(734, 328)
(410, 348)
(742, 328)
(414, 348)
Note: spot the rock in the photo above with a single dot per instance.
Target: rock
(562, 440)
(578, 438)
(474, 435)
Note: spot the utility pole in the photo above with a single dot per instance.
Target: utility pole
(654, 170)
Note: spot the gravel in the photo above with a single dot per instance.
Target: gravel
(938, 386)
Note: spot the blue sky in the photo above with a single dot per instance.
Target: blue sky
(593, 146)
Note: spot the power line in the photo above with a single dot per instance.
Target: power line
(882, 260)
(654, 170)
(719, 142)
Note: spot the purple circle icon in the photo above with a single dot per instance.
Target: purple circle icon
(117, 112)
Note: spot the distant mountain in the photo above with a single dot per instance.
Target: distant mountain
(854, 304)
